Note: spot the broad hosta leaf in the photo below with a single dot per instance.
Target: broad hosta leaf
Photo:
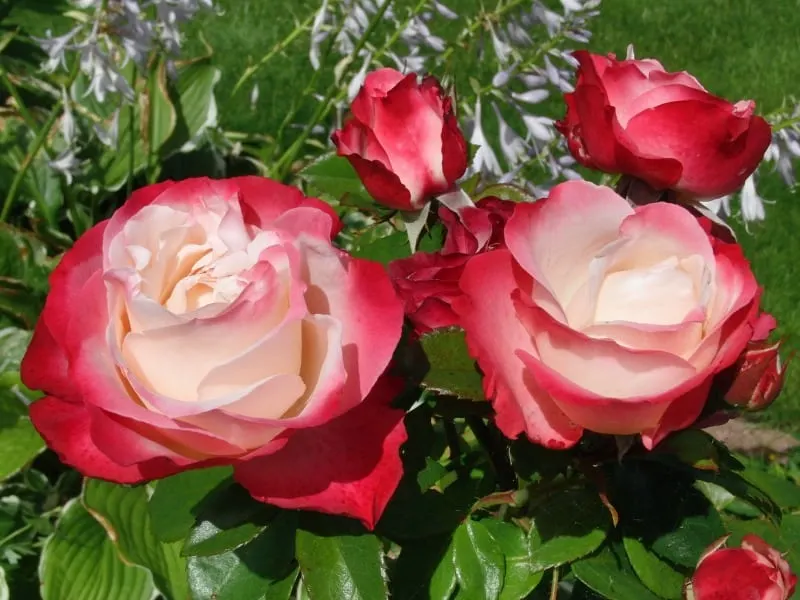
(505, 191)
(520, 580)
(452, 370)
(161, 116)
(333, 175)
(424, 570)
(193, 97)
(336, 555)
(479, 562)
(176, 500)
(123, 512)
(263, 566)
(657, 575)
(662, 508)
(228, 519)
(567, 526)
(608, 573)
(79, 562)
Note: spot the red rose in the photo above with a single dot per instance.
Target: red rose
(756, 571)
(635, 118)
(212, 322)
(602, 316)
(428, 282)
(403, 139)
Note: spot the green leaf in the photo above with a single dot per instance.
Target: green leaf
(656, 574)
(176, 500)
(123, 512)
(520, 580)
(452, 370)
(335, 555)
(113, 165)
(335, 176)
(282, 590)
(505, 191)
(608, 573)
(248, 573)
(783, 492)
(661, 507)
(568, 525)
(228, 519)
(479, 562)
(424, 570)
(693, 447)
(79, 561)
(161, 116)
(19, 441)
(5, 594)
(383, 249)
(193, 96)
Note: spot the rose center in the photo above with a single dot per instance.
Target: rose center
(662, 294)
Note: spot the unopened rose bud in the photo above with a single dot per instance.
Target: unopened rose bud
(758, 377)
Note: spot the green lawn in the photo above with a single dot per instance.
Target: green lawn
(737, 48)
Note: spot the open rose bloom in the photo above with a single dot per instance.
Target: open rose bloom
(755, 571)
(604, 317)
(212, 322)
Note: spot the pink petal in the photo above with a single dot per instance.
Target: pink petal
(496, 339)
(350, 466)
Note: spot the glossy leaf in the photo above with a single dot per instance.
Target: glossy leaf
(122, 510)
(337, 554)
(608, 573)
(228, 519)
(505, 191)
(382, 248)
(161, 116)
(264, 565)
(520, 580)
(5, 594)
(79, 561)
(174, 505)
(452, 370)
(479, 562)
(424, 570)
(567, 525)
(783, 492)
(333, 175)
(656, 574)
(661, 507)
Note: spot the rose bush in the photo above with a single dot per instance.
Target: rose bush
(635, 118)
(604, 317)
(212, 322)
(403, 139)
(428, 282)
(756, 571)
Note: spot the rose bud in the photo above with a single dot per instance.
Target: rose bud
(213, 322)
(600, 316)
(635, 118)
(755, 571)
(403, 140)
(757, 378)
(428, 282)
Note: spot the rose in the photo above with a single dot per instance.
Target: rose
(604, 317)
(633, 117)
(212, 322)
(428, 282)
(403, 139)
(756, 571)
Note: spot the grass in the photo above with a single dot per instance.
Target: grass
(737, 48)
